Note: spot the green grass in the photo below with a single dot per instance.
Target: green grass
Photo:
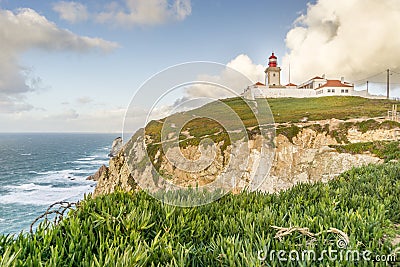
(283, 110)
(322, 108)
(290, 132)
(133, 229)
(387, 150)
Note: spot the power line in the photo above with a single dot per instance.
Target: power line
(395, 72)
(368, 78)
(376, 82)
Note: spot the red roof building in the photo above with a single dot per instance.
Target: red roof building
(291, 85)
(334, 83)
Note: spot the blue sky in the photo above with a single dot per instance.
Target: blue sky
(86, 85)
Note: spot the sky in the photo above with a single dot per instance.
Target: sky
(74, 66)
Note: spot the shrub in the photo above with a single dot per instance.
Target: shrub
(133, 229)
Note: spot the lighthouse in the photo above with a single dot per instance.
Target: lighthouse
(273, 72)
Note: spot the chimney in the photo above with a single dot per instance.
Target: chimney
(323, 76)
(342, 79)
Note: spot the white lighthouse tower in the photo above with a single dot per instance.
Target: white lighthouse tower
(273, 73)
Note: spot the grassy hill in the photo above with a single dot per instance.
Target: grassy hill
(125, 229)
(283, 110)
(338, 107)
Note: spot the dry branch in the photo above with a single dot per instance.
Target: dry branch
(283, 231)
(53, 210)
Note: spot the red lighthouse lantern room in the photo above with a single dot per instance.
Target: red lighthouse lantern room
(272, 61)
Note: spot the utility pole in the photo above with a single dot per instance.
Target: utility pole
(388, 83)
(367, 87)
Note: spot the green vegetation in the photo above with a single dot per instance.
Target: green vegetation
(284, 110)
(289, 132)
(340, 132)
(387, 150)
(365, 126)
(133, 229)
(322, 108)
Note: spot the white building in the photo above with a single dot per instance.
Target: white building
(325, 87)
(315, 87)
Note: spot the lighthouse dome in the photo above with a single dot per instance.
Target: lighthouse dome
(273, 56)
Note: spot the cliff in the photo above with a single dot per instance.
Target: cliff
(304, 152)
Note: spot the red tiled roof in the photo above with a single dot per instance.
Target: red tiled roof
(258, 83)
(334, 83)
(290, 84)
(316, 77)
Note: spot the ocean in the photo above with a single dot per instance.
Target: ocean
(37, 170)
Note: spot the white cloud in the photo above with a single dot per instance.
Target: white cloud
(66, 115)
(68, 120)
(230, 78)
(71, 11)
(351, 38)
(12, 104)
(84, 100)
(145, 12)
(26, 29)
(245, 65)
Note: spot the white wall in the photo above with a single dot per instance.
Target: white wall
(262, 91)
(285, 92)
(337, 91)
(365, 94)
(253, 92)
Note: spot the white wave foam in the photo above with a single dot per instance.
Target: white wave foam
(64, 178)
(26, 154)
(98, 162)
(47, 187)
(66, 173)
(86, 159)
(39, 195)
(2, 220)
(27, 187)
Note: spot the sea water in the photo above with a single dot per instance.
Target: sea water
(37, 170)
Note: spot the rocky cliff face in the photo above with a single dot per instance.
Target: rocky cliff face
(116, 147)
(307, 157)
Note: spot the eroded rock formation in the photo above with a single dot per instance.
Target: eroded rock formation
(307, 157)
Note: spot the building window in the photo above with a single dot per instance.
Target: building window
(346, 91)
(342, 91)
(329, 90)
(333, 90)
(273, 75)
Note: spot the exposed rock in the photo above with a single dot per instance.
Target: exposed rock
(116, 176)
(306, 158)
(116, 147)
(102, 171)
(395, 241)
(355, 136)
